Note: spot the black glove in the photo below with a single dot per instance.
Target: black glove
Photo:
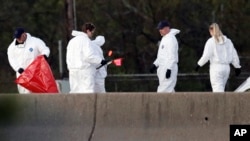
(104, 62)
(46, 58)
(197, 68)
(20, 70)
(153, 68)
(237, 71)
(168, 73)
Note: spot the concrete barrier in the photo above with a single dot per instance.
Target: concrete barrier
(122, 116)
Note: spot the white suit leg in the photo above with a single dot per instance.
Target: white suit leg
(73, 81)
(100, 85)
(88, 83)
(218, 76)
(22, 90)
(80, 82)
(167, 85)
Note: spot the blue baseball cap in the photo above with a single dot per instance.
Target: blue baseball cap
(162, 24)
(18, 32)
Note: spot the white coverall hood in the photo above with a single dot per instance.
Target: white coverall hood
(174, 31)
(77, 33)
(222, 40)
(99, 40)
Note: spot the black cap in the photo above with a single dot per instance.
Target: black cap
(18, 32)
(163, 24)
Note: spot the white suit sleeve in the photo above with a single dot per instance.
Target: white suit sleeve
(156, 63)
(12, 58)
(43, 49)
(235, 61)
(172, 54)
(206, 54)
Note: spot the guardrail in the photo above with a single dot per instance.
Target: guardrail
(148, 83)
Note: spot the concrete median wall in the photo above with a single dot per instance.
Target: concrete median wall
(122, 116)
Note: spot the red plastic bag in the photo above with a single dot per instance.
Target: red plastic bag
(38, 77)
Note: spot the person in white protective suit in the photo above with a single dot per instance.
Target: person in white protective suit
(23, 51)
(167, 58)
(82, 61)
(220, 52)
(101, 72)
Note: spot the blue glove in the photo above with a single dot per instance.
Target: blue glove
(20, 70)
(46, 58)
(197, 68)
(237, 71)
(168, 73)
(153, 68)
(104, 62)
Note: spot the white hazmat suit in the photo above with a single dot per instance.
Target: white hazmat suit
(101, 73)
(20, 56)
(167, 58)
(81, 62)
(220, 55)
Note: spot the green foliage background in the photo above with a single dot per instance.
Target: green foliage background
(129, 27)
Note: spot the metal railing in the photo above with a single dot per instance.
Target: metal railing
(148, 83)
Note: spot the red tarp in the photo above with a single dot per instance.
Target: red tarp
(38, 77)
